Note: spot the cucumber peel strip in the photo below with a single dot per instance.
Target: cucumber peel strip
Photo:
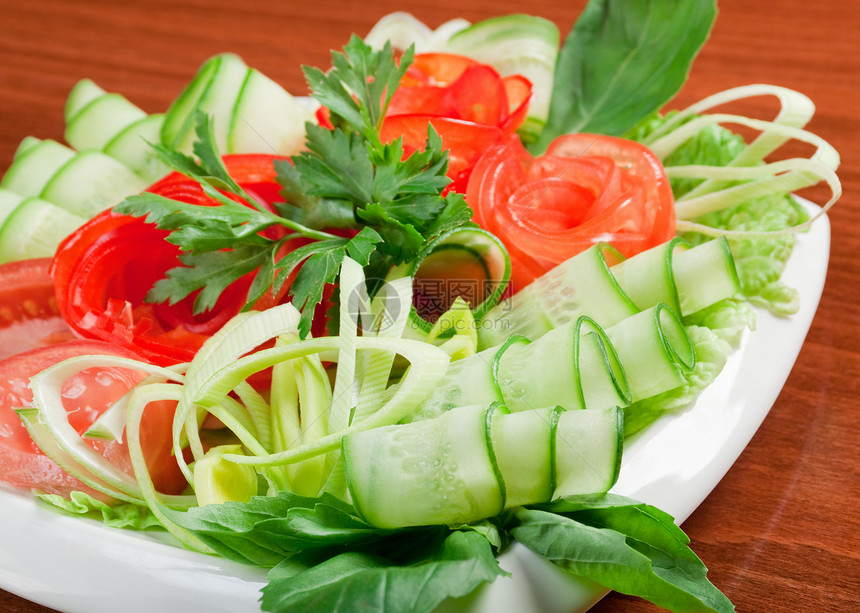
(483, 245)
(492, 410)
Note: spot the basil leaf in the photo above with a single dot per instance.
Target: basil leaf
(267, 529)
(622, 544)
(356, 581)
(622, 61)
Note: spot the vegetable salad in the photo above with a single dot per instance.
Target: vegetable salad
(371, 338)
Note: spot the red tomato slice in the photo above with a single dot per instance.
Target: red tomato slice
(469, 104)
(518, 91)
(465, 141)
(28, 310)
(86, 396)
(104, 270)
(640, 165)
(585, 189)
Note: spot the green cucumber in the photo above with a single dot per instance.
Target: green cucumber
(576, 365)
(266, 118)
(9, 201)
(213, 91)
(94, 124)
(132, 147)
(31, 170)
(465, 249)
(96, 119)
(583, 285)
(179, 119)
(91, 182)
(34, 229)
(587, 451)
(516, 44)
(648, 278)
(523, 455)
(84, 92)
(687, 279)
(25, 144)
(655, 350)
(250, 112)
(451, 392)
(573, 366)
(697, 290)
(430, 472)
(474, 461)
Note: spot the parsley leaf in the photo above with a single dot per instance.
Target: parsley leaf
(359, 87)
(322, 261)
(210, 272)
(392, 204)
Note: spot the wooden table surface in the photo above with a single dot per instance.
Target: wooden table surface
(780, 532)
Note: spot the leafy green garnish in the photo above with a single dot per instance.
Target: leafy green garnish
(760, 262)
(324, 557)
(621, 62)
(624, 545)
(393, 205)
(124, 515)
(349, 168)
(414, 579)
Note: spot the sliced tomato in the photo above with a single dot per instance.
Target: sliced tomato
(465, 141)
(104, 270)
(28, 310)
(518, 90)
(468, 103)
(86, 396)
(585, 189)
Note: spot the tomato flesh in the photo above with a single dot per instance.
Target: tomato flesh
(86, 395)
(468, 104)
(28, 310)
(104, 270)
(585, 189)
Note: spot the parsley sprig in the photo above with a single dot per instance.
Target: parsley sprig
(392, 206)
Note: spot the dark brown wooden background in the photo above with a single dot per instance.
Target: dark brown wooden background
(781, 532)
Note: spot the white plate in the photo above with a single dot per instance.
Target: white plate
(80, 566)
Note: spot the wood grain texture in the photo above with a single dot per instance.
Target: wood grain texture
(780, 532)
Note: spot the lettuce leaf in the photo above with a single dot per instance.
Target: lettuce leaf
(712, 146)
(715, 332)
(119, 515)
(760, 262)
